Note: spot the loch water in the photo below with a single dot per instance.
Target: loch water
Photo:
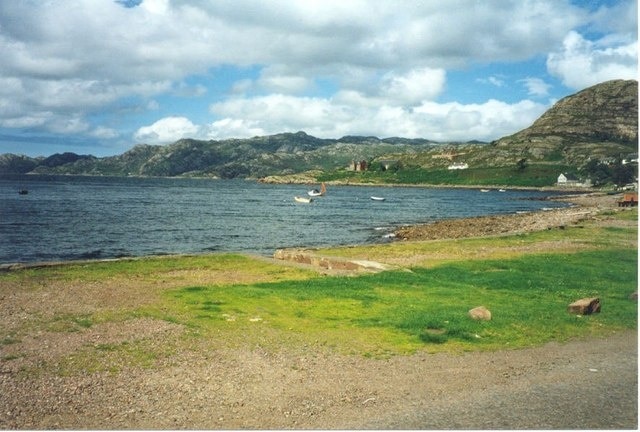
(80, 217)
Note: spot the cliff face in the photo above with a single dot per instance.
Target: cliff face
(606, 112)
(598, 121)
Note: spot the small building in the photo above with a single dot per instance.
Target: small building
(566, 179)
(629, 200)
(358, 165)
(630, 187)
(570, 180)
(458, 166)
(388, 164)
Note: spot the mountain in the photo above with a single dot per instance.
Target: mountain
(599, 122)
(17, 164)
(280, 154)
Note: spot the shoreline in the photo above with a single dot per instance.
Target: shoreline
(584, 206)
(311, 182)
(74, 353)
(588, 204)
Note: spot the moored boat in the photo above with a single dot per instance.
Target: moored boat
(303, 199)
(377, 198)
(316, 192)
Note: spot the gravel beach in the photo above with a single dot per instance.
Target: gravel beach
(586, 206)
(581, 384)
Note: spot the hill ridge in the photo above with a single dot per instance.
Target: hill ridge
(598, 122)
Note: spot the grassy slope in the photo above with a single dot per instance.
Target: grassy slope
(538, 175)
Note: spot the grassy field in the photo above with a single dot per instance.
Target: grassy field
(229, 301)
(537, 175)
(403, 311)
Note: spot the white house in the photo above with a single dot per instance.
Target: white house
(458, 166)
(570, 180)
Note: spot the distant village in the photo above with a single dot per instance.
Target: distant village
(565, 180)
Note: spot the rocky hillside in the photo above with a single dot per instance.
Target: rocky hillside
(280, 154)
(598, 122)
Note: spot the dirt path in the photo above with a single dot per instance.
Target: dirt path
(582, 384)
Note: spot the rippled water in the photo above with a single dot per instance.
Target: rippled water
(67, 217)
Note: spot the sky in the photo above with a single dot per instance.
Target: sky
(101, 76)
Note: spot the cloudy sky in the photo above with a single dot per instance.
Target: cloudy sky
(100, 76)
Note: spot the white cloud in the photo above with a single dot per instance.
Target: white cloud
(276, 80)
(415, 86)
(102, 132)
(275, 113)
(167, 130)
(536, 86)
(487, 121)
(233, 128)
(620, 18)
(498, 82)
(354, 113)
(69, 125)
(162, 40)
(66, 60)
(583, 63)
(183, 89)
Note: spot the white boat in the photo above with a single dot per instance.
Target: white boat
(377, 198)
(502, 190)
(316, 192)
(485, 190)
(303, 199)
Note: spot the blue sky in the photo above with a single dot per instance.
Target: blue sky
(100, 76)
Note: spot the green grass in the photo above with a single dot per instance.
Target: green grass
(400, 311)
(234, 301)
(154, 269)
(585, 236)
(111, 357)
(536, 175)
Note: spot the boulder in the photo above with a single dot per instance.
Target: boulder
(585, 306)
(480, 313)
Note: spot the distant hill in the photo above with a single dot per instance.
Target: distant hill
(280, 154)
(598, 122)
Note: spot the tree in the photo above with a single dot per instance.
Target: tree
(597, 171)
(622, 174)
(521, 164)
(616, 172)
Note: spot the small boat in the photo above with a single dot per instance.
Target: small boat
(23, 191)
(485, 190)
(377, 198)
(316, 192)
(502, 190)
(303, 199)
